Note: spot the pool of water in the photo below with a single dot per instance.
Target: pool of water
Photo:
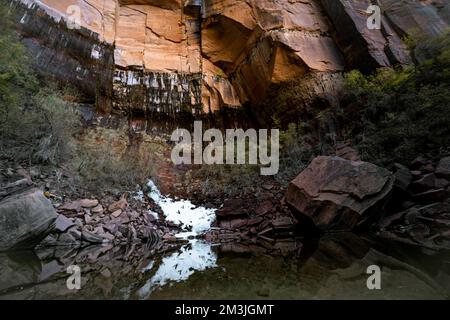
(194, 220)
(334, 267)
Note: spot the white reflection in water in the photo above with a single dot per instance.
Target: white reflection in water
(197, 219)
(179, 266)
(194, 257)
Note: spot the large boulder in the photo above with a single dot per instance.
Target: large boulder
(25, 219)
(338, 194)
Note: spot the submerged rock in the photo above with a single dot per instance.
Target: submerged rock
(338, 194)
(25, 219)
(420, 225)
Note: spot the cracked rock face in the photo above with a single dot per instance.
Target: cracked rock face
(26, 218)
(338, 194)
(259, 43)
(229, 52)
(367, 49)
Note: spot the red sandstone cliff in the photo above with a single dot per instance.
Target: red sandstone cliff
(168, 55)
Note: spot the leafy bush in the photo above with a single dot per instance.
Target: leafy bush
(60, 125)
(35, 124)
(228, 179)
(395, 115)
(295, 154)
(103, 160)
(16, 74)
(41, 132)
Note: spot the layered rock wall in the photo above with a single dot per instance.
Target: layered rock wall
(75, 56)
(259, 43)
(172, 55)
(365, 48)
(153, 58)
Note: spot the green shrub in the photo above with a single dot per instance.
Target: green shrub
(17, 79)
(35, 124)
(402, 113)
(41, 132)
(231, 180)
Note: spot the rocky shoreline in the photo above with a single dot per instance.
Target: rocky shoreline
(334, 194)
(409, 205)
(33, 217)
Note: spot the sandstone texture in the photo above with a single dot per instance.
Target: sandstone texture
(254, 44)
(201, 56)
(26, 217)
(339, 194)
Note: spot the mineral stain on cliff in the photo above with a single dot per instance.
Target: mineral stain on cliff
(143, 91)
(205, 56)
(71, 56)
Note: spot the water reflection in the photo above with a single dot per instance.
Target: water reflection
(332, 267)
(179, 266)
(194, 220)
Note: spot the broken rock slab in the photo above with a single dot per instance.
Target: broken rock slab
(338, 194)
(25, 219)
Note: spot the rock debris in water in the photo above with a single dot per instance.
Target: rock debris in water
(196, 219)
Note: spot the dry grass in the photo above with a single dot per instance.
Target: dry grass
(104, 160)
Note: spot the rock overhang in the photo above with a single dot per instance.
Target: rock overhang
(240, 48)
